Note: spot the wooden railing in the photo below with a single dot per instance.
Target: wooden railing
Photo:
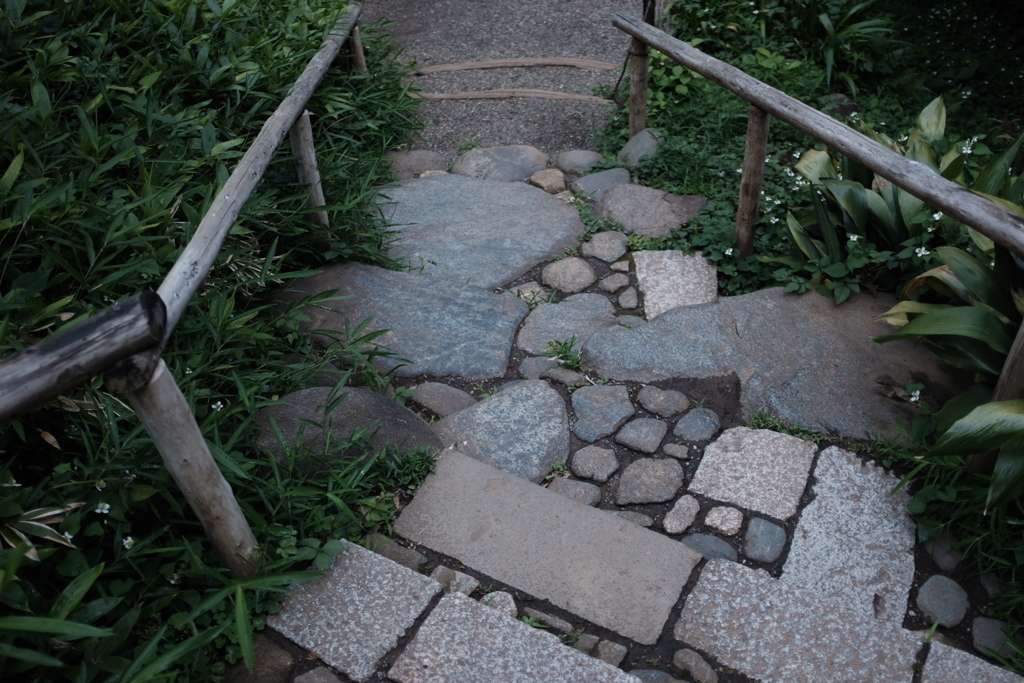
(985, 216)
(125, 341)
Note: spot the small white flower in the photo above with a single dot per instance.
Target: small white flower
(773, 219)
(217, 406)
(11, 484)
(174, 579)
(465, 443)
(67, 537)
(103, 508)
(916, 396)
(127, 542)
(936, 216)
(188, 371)
(931, 228)
(100, 485)
(921, 252)
(728, 252)
(854, 238)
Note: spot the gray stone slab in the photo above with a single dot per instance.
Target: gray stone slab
(770, 631)
(596, 184)
(565, 377)
(756, 469)
(440, 328)
(502, 601)
(941, 599)
(593, 462)
(724, 519)
(662, 402)
(629, 299)
(600, 410)
(454, 581)
(700, 424)
(649, 481)
(551, 180)
(645, 211)
(643, 434)
(553, 548)
(607, 246)
(581, 315)
(508, 163)
(571, 274)
(523, 429)
(681, 516)
(318, 675)
(442, 399)
(578, 161)
(483, 232)
(854, 542)
(792, 353)
(696, 666)
(670, 279)
(615, 282)
(711, 547)
(947, 664)
(535, 366)
(306, 425)
(992, 634)
(382, 545)
(764, 540)
(356, 613)
(463, 641)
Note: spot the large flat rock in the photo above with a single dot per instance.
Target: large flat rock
(523, 429)
(670, 279)
(769, 631)
(440, 327)
(947, 664)
(580, 314)
(463, 641)
(798, 356)
(593, 564)
(479, 232)
(356, 613)
(854, 543)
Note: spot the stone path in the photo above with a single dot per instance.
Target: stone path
(606, 515)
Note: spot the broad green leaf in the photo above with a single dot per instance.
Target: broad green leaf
(12, 172)
(832, 233)
(960, 405)
(958, 321)
(967, 354)
(41, 99)
(168, 658)
(851, 197)
(922, 153)
(226, 145)
(952, 166)
(932, 120)
(993, 178)
(244, 628)
(986, 245)
(815, 165)
(26, 655)
(55, 626)
(1008, 476)
(909, 207)
(947, 280)
(74, 592)
(988, 427)
(978, 279)
(897, 315)
(802, 239)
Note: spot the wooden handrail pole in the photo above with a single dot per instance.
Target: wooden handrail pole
(753, 177)
(638, 52)
(309, 172)
(356, 45)
(167, 417)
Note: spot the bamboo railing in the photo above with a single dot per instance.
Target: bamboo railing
(125, 341)
(985, 216)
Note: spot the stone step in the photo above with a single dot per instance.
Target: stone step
(773, 632)
(589, 562)
(463, 641)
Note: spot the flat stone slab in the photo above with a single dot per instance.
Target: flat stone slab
(670, 279)
(607, 246)
(484, 232)
(700, 424)
(596, 184)
(773, 632)
(764, 540)
(441, 328)
(442, 399)
(756, 469)
(580, 314)
(523, 430)
(649, 481)
(645, 211)
(508, 163)
(643, 434)
(593, 462)
(463, 641)
(570, 275)
(304, 414)
(586, 561)
(942, 599)
(356, 613)
(947, 664)
(854, 543)
(662, 402)
(792, 354)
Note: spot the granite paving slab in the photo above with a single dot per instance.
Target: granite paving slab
(523, 429)
(670, 279)
(947, 664)
(756, 469)
(440, 328)
(773, 632)
(797, 356)
(463, 641)
(588, 562)
(479, 232)
(854, 542)
(363, 604)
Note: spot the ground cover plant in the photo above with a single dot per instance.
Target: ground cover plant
(118, 123)
(937, 82)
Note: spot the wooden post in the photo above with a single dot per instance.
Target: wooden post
(309, 172)
(637, 86)
(356, 45)
(753, 177)
(167, 417)
(63, 361)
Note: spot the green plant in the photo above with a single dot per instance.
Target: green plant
(765, 419)
(535, 622)
(565, 352)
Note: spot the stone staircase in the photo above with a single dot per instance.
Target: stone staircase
(608, 506)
